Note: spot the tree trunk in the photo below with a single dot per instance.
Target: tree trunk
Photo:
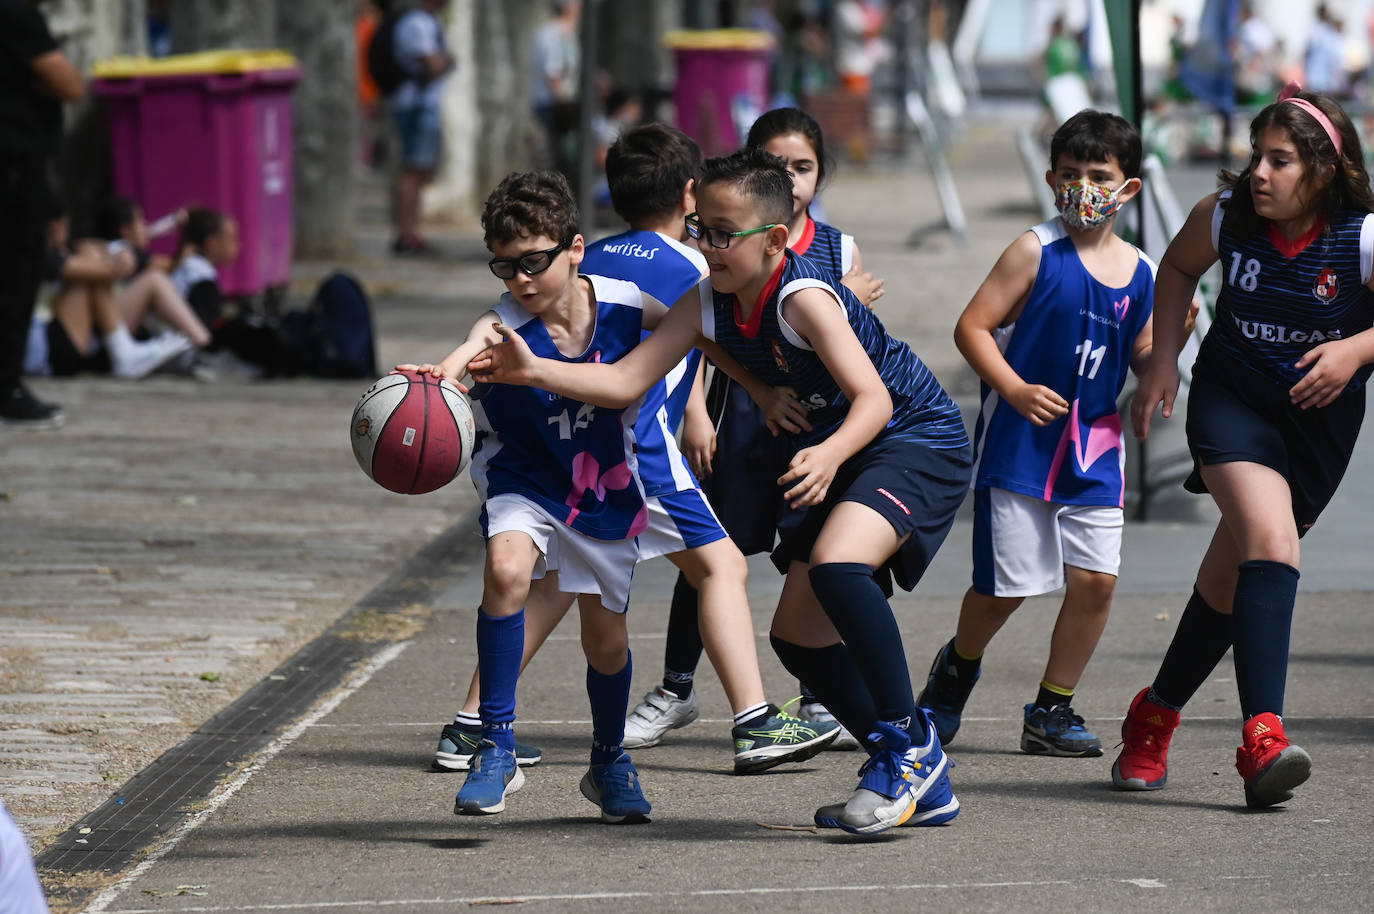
(326, 124)
(202, 25)
(504, 63)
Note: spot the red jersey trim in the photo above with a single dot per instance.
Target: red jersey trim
(808, 235)
(750, 328)
(1291, 249)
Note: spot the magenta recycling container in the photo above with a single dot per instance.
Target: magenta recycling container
(212, 130)
(722, 85)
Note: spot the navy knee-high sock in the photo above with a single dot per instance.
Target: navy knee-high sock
(500, 645)
(609, 697)
(1202, 639)
(1261, 623)
(842, 688)
(682, 651)
(861, 614)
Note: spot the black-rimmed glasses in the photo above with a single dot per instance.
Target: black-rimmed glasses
(531, 264)
(719, 237)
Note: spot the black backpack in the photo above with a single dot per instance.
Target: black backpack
(332, 337)
(382, 65)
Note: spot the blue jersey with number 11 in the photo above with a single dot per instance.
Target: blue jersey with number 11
(574, 460)
(1076, 336)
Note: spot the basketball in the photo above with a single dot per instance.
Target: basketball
(412, 433)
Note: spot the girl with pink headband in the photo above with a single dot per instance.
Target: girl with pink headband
(1274, 408)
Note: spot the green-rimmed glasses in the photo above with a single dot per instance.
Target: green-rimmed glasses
(718, 237)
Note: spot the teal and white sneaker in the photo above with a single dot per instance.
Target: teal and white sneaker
(1058, 731)
(456, 747)
(493, 775)
(779, 739)
(614, 788)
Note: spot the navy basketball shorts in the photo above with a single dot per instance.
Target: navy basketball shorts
(1235, 414)
(916, 488)
(743, 485)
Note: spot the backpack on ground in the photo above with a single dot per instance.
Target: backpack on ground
(382, 64)
(332, 337)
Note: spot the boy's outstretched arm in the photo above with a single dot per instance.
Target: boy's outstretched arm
(455, 364)
(998, 302)
(615, 385)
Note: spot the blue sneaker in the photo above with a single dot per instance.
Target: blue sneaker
(892, 781)
(946, 694)
(937, 807)
(456, 748)
(1058, 731)
(493, 775)
(614, 787)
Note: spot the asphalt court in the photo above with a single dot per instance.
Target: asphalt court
(346, 815)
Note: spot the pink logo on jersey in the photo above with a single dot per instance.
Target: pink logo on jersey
(1327, 285)
(1122, 307)
(1104, 435)
(587, 478)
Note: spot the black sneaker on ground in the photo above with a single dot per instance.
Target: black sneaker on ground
(21, 408)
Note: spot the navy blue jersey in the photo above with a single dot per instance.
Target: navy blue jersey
(1075, 335)
(1276, 303)
(776, 354)
(826, 245)
(666, 269)
(574, 460)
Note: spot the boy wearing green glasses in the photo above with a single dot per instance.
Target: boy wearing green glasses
(881, 468)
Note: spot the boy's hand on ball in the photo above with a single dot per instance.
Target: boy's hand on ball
(436, 371)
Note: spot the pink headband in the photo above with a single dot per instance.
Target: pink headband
(1287, 95)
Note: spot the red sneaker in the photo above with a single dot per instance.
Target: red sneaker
(1145, 735)
(1270, 765)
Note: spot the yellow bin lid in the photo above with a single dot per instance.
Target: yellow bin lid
(230, 61)
(719, 40)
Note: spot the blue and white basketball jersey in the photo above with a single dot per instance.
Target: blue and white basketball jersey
(574, 460)
(1279, 299)
(1075, 336)
(666, 269)
(826, 245)
(776, 354)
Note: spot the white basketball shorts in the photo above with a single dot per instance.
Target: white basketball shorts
(1021, 544)
(584, 564)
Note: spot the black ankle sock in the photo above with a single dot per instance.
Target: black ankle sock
(679, 684)
(1201, 640)
(808, 697)
(1260, 627)
(1047, 698)
(964, 669)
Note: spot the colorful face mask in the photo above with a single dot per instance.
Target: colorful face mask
(1086, 205)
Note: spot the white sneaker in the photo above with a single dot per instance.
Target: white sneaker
(659, 712)
(813, 712)
(148, 356)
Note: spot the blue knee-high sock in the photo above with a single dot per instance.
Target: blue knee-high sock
(842, 688)
(859, 610)
(1261, 622)
(610, 698)
(1201, 640)
(500, 645)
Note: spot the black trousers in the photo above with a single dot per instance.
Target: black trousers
(25, 206)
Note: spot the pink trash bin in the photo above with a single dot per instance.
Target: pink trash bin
(212, 130)
(722, 84)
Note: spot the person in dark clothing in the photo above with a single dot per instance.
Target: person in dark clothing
(35, 79)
